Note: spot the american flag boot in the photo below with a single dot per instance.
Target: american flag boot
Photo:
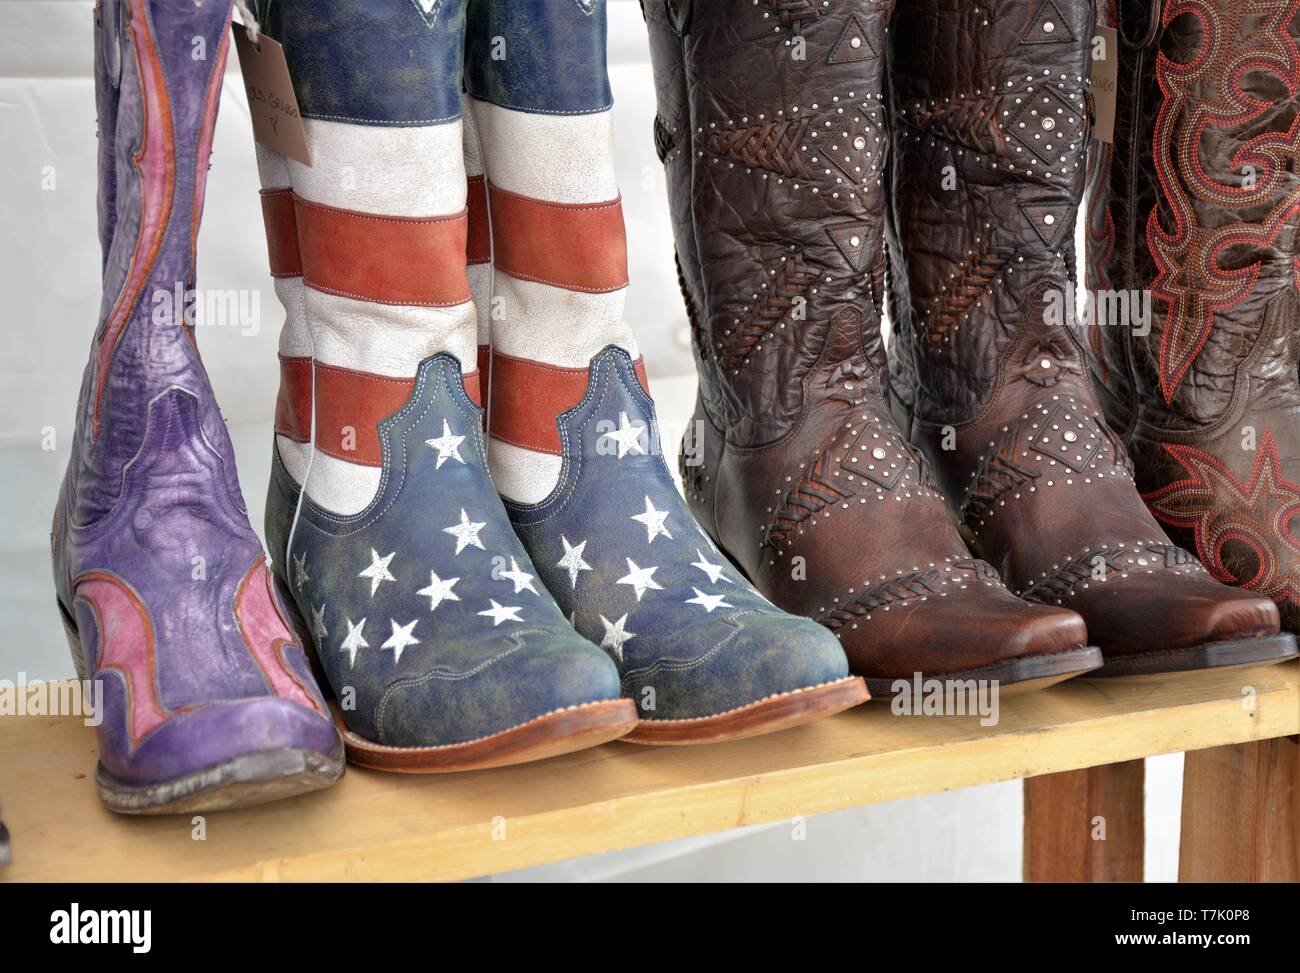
(208, 699)
(573, 437)
(428, 620)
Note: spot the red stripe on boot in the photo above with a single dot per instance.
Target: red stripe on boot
(349, 407)
(577, 246)
(528, 396)
(478, 244)
(281, 233)
(386, 259)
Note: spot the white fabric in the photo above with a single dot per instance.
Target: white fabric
(390, 171)
(561, 158)
(521, 474)
(388, 339)
(557, 326)
(295, 336)
(337, 485)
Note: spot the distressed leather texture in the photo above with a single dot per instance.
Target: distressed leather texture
(991, 120)
(772, 127)
(1196, 204)
(155, 565)
(629, 566)
(424, 609)
(397, 62)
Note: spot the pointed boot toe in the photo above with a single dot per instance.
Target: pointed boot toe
(247, 752)
(1151, 628)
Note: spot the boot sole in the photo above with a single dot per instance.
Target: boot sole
(243, 781)
(765, 716)
(1265, 651)
(1025, 674)
(549, 735)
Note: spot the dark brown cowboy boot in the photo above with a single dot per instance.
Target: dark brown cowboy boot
(772, 129)
(1195, 207)
(991, 125)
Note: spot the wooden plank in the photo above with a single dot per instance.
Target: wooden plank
(1241, 813)
(376, 826)
(1085, 825)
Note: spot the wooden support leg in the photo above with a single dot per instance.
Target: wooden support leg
(1241, 813)
(1085, 825)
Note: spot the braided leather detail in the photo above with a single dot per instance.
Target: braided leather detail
(814, 491)
(794, 279)
(793, 14)
(1101, 565)
(951, 305)
(999, 474)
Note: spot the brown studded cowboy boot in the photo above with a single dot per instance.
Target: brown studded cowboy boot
(771, 126)
(991, 123)
(1194, 210)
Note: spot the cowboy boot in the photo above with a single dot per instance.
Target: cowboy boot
(1192, 209)
(574, 444)
(162, 584)
(771, 126)
(987, 373)
(420, 603)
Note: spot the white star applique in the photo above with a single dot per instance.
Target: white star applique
(447, 445)
(615, 636)
(318, 628)
(627, 436)
(502, 613)
(439, 590)
(300, 575)
(354, 640)
(400, 639)
(707, 602)
(641, 579)
(378, 571)
(572, 560)
(654, 522)
(522, 580)
(714, 571)
(466, 532)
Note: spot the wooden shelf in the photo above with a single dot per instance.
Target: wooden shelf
(375, 826)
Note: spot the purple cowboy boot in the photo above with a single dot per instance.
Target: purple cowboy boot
(209, 701)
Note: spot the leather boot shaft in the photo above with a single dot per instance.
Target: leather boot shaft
(773, 130)
(1192, 211)
(992, 114)
(158, 77)
(803, 135)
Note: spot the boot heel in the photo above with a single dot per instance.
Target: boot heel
(74, 640)
(301, 629)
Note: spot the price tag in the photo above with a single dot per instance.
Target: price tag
(271, 101)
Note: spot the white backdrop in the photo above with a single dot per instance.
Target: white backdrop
(49, 284)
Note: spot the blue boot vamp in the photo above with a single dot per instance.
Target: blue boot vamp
(617, 546)
(426, 611)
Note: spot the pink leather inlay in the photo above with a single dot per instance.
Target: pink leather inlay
(266, 633)
(126, 644)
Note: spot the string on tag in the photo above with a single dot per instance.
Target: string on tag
(250, 22)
